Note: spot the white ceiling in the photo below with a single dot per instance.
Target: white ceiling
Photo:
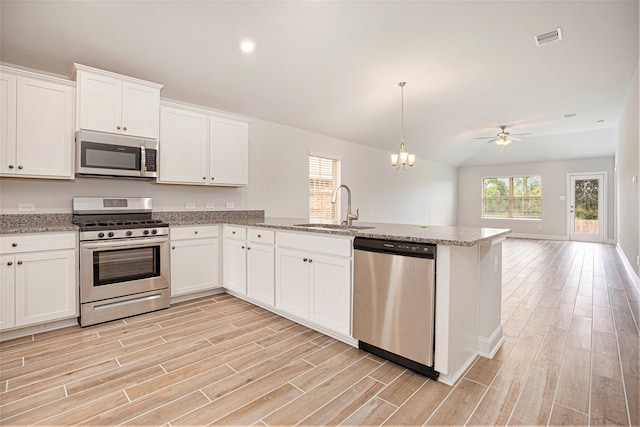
(332, 67)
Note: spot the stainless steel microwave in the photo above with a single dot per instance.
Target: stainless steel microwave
(107, 155)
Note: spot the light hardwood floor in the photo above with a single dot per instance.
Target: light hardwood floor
(571, 356)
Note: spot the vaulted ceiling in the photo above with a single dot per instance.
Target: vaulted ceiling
(332, 67)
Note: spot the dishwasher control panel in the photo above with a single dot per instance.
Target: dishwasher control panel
(394, 247)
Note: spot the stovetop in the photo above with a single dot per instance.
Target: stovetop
(115, 224)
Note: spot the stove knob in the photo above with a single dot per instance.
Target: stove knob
(101, 234)
(145, 232)
(111, 234)
(129, 233)
(154, 231)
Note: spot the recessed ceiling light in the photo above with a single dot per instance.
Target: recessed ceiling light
(600, 122)
(247, 45)
(568, 116)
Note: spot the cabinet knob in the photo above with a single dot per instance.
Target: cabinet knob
(212, 178)
(19, 166)
(118, 127)
(233, 232)
(9, 263)
(243, 247)
(19, 262)
(259, 236)
(196, 232)
(310, 260)
(14, 244)
(248, 248)
(204, 177)
(304, 259)
(124, 128)
(11, 166)
(173, 247)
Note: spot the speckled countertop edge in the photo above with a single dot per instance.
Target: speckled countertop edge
(445, 235)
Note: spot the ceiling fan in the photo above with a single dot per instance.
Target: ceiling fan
(504, 138)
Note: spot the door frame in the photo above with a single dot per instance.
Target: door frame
(603, 194)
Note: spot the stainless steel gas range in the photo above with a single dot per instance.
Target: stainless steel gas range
(124, 258)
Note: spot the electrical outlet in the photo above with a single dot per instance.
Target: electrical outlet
(210, 206)
(189, 205)
(26, 207)
(230, 205)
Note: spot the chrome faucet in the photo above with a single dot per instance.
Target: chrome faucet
(350, 216)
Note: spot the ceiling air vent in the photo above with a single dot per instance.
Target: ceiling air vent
(548, 37)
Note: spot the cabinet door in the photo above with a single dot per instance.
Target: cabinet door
(45, 286)
(44, 129)
(194, 265)
(7, 294)
(140, 110)
(234, 269)
(7, 123)
(261, 273)
(229, 152)
(292, 289)
(184, 146)
(100, 103)
(331, 292)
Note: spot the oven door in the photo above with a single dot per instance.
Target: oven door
(116, 268)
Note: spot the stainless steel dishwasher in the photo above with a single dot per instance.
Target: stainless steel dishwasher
(394, 301)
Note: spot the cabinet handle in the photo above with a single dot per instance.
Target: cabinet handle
(118, 127)
(11, 166)
(14, 244)
(19, 166)
(173, 247)
(19, 262)
(9, 263)
(124, 128)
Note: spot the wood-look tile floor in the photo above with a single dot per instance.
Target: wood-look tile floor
(571, 356)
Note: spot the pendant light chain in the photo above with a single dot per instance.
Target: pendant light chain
(401, 84)
(402, 160)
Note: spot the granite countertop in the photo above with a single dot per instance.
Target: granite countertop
(445, 235)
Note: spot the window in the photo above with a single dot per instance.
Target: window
(512, 197)
(324, 178)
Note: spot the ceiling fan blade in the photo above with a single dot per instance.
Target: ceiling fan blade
(515, 139)
(487, 137)
(522, 134)
(492, 140)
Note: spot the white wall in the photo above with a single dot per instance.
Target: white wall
(554, 222)
(278, 183)
(279, 178)
(627, 167)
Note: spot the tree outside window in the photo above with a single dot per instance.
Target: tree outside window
(512, 197)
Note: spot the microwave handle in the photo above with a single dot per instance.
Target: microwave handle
(143, 160)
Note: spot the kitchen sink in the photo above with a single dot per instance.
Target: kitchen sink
(334, 226)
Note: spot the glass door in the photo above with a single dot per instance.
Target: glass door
(586, 213)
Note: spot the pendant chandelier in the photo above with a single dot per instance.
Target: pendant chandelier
(402, 160)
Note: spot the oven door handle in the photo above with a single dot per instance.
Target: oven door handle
(139, 243)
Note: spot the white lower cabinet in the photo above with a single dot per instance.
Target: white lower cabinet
(314, 280)
(194, 259)
(38, 275)
(249, 263)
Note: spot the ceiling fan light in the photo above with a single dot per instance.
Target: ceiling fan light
(503, 140)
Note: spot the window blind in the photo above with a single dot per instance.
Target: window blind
(324, 178)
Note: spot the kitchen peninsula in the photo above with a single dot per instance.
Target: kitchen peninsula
(468, 271)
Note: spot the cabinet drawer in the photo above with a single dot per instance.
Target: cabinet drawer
(339, 246)
(261, 235)
(15, 243)
(193, 232)
(234, 232)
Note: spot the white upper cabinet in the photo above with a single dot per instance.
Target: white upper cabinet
(184, 141)
(36, 131)
(113, 103)
(198, 147)
(229, 152)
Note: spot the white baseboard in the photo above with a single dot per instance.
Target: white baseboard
(627, 265)
(488, 347)
(611, 242)
(455, 376)
(537, 236)
(201, 294)
(37, 329)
